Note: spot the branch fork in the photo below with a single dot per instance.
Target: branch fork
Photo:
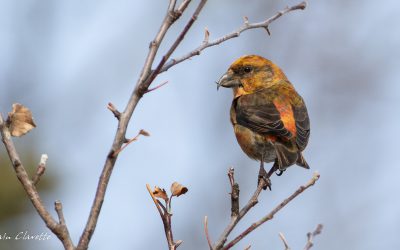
(237, 216)
(58, 228)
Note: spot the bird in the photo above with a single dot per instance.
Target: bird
(269, 118)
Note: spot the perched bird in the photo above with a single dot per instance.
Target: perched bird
(269, 117)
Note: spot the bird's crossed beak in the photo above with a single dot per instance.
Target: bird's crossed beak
(228, 80)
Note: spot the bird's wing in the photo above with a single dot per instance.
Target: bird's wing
(302, 123)
(275, 111)
(258, 112)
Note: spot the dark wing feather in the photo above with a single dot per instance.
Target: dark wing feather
(257, 113)
(302, 124)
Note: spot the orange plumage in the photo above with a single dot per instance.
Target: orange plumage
(269, 117)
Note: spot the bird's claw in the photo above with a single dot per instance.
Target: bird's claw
(280, 172)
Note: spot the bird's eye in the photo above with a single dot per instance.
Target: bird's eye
(247, 69)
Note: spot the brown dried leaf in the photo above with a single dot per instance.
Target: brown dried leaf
(144, 132)
(160, 193)
(20, 120)
(178, 189)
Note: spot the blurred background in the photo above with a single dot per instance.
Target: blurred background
(66, 60)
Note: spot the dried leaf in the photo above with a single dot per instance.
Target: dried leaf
(20, 120)
(144, 132)
(160, 193)
(178, 189)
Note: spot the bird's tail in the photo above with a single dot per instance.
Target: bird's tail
(301, 161)
(288, 154)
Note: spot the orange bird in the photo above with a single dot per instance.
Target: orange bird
(269, 117)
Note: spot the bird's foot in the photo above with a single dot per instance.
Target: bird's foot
(263, 176)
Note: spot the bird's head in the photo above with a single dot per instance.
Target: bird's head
(251, 73)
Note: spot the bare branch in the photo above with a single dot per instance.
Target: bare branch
(169, 19)
(270, 215)
(285, 243)
(171, 6)
(236, 33)
(206, 232)
(40, 169)
(182, 7)
(142, 85)
(310, 236)
(178, 40)
(59, 230)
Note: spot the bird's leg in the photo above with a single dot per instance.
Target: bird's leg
(275, 168)
(262, 174)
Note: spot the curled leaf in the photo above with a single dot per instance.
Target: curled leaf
(20, 120)
(178, 189)
(160, 193)
(144, 132)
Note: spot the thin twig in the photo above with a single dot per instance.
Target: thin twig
(156, 87)
(248, 247)
(169, 19)
(235, 219)
(114, 110)
(206, 232)
(59, 210)
(285, 243)
(40, 169)
(141, 132)
(231, 176)
(160, 210)
(310, 236)
(236, 33)
(270, 215)
(59, 230)
(175, 45)
(166, 219)
(182, 7)
(234, 193)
